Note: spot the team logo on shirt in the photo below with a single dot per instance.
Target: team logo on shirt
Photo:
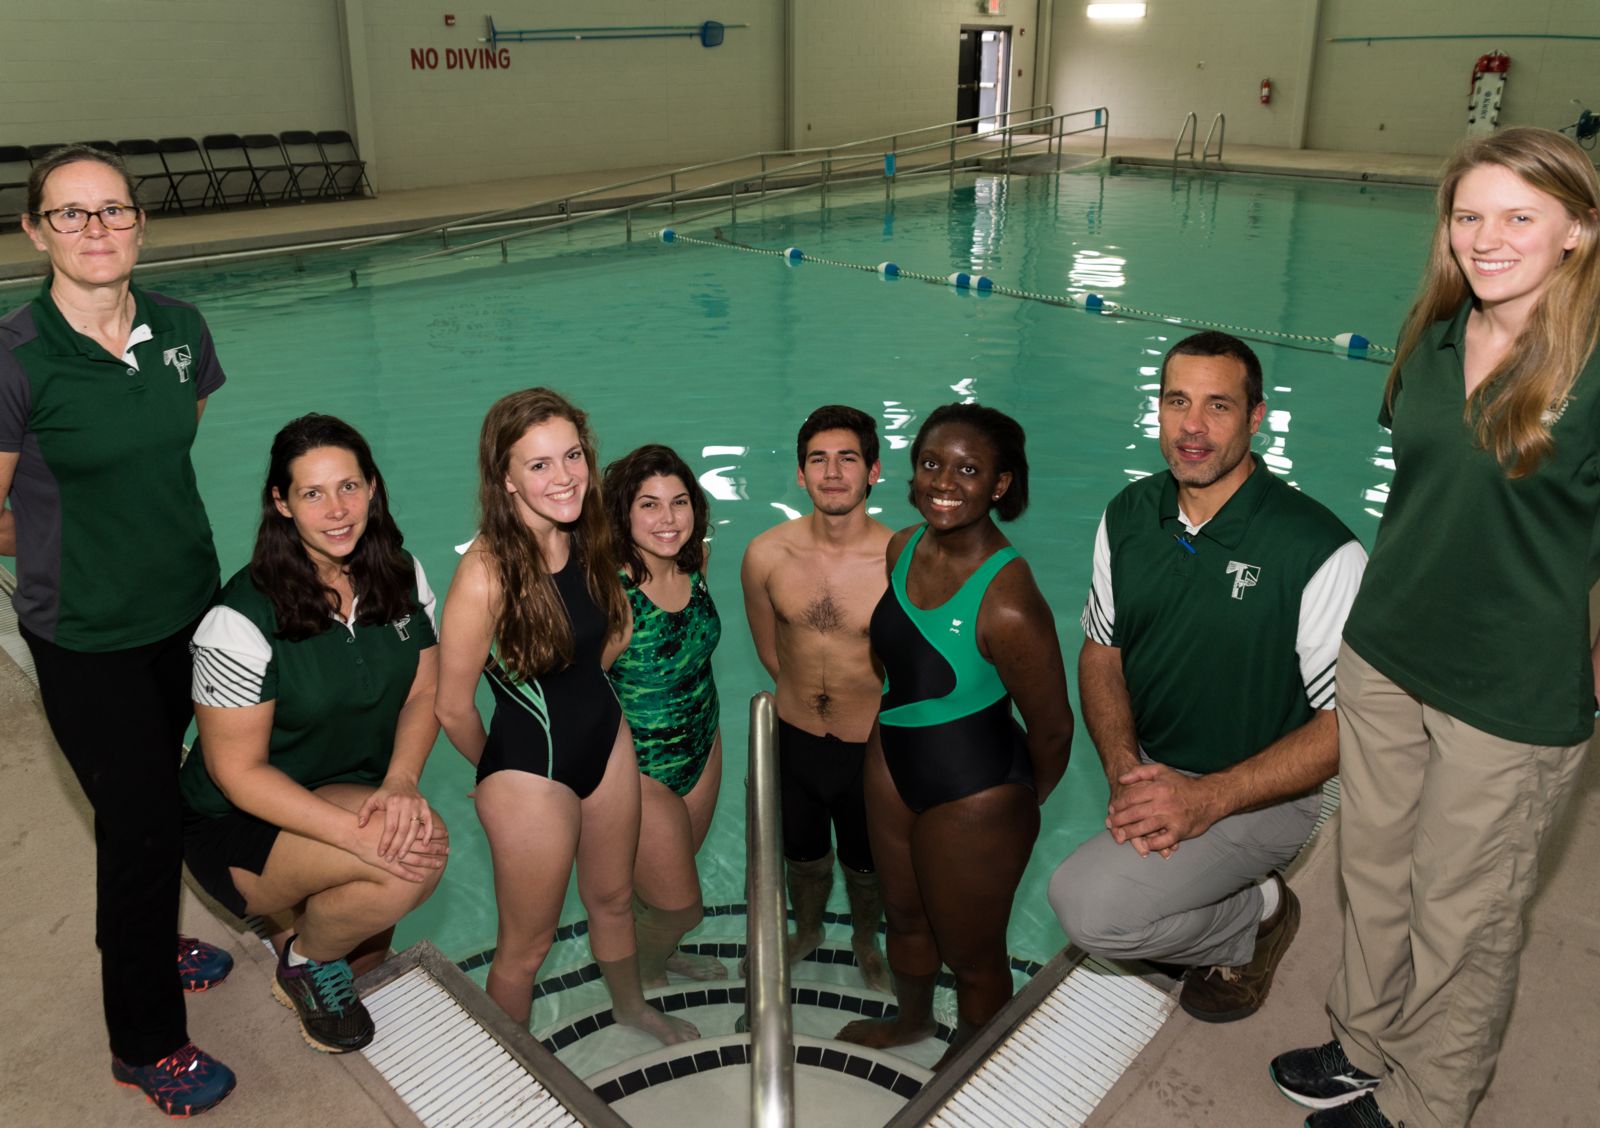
(180, 359)
(955, 626)
(400, 628)
(1244, 576)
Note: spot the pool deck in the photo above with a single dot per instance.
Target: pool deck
(54, 1044)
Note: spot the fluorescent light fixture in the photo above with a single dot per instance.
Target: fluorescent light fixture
(1116, 11)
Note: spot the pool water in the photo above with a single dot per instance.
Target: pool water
(722, 354)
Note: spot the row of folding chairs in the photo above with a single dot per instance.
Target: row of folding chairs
(222, 169)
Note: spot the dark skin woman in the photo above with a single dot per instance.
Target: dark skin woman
(953, 784)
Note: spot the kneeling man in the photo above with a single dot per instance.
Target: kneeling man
(1206, 678)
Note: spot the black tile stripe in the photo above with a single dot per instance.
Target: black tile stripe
(813, 1057)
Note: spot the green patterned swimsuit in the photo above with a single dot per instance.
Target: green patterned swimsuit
(664, 683)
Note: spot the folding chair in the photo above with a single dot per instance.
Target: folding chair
(304, 157)
(339, 153)
(14, 169)
(38, 152)
(143, 158)
(226, 156)
(183, 161)
(103, 146)
(266, 157)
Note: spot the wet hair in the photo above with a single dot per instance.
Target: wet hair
(838, 417)
(1213, 343)
(624, 478)
(533, 634)
(1004, 434)
(72, 154)
(1507, 412)
(382, 575)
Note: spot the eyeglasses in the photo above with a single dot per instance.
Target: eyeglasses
(69, 221)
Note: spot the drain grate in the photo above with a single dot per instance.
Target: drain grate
(1066, 1055)
(446, 1067)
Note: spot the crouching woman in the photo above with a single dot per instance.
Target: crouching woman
(313, 686)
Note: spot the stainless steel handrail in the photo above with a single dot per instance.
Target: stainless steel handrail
(565, 200)
(1188, 121)
(767, 982)
(1219, 126)
(831, 167)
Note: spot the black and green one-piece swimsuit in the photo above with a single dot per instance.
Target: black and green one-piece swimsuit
(945, 722)
(664, 683)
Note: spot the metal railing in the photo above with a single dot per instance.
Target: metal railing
(563, 203)
(767, 981)
(1050, 131)
(1191, 129)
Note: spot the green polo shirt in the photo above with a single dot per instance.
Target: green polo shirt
(1476, 599)
(114, 548)
(1208, 623)
(337, 695)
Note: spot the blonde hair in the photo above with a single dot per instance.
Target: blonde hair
(1510, 410)
(533, 634)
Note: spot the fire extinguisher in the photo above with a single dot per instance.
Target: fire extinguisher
(1266, 91)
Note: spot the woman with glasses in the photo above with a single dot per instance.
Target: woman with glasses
(102, 385)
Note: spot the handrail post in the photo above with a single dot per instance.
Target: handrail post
(672, 204)
(1189, 120)
(767, 984)
(1221, 121)
(763, 175)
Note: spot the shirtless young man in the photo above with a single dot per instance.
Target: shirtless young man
(809, 589)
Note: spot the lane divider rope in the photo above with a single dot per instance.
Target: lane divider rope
(1353, 345)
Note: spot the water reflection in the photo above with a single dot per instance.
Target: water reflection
(1097, 271)
(716, 481)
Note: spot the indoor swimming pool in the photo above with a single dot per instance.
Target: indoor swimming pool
(722, 354)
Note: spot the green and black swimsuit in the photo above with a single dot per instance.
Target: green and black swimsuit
(664, 683)
(945, 722)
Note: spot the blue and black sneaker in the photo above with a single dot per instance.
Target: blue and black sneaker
(1320, 1076)
(184, 1083)
(323, 996)
(201, 965)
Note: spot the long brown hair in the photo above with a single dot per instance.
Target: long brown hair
(533, 634)
(1509, 410)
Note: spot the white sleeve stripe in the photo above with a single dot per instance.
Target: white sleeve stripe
(222, 682)
(1094, 621)
(1324, 603)
(426, 597)
(1317, 684)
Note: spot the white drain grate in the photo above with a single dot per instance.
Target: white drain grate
(1066, 1055)
(446, 1067)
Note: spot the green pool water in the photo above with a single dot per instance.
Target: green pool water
(721, 354)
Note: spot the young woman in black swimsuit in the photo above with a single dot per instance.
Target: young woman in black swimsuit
(953, 783)
(536, 606)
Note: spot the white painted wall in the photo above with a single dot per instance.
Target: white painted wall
(1411, 97)
(1201, 55)
(570, 106)
(77, 70)
(1400, 97)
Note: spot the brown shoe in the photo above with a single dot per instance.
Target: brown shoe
(1227, 994)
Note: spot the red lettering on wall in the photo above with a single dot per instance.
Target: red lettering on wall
(461, 58)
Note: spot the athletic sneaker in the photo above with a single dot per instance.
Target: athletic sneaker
(323, 996)
(184, 1083)
(1320, 1076)
(1363, 1112)
(201, 965)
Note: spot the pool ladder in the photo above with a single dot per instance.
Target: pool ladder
(1191, 130)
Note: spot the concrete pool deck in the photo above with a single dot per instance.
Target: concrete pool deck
(54, 1043)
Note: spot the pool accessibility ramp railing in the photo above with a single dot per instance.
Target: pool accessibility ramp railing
(1016, 136)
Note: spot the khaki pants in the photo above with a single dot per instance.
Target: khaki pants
(1439, 837)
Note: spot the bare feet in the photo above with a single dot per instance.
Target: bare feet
(879, 1033)
(874, 971)
(696, 966)
(663, 1028)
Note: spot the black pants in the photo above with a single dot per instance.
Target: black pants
(819, 782)
(120, 717)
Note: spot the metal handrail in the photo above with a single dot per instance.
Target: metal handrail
(767, 982)
(1219, 126)
(565, 200)
(830, 166)
(1188, 120)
